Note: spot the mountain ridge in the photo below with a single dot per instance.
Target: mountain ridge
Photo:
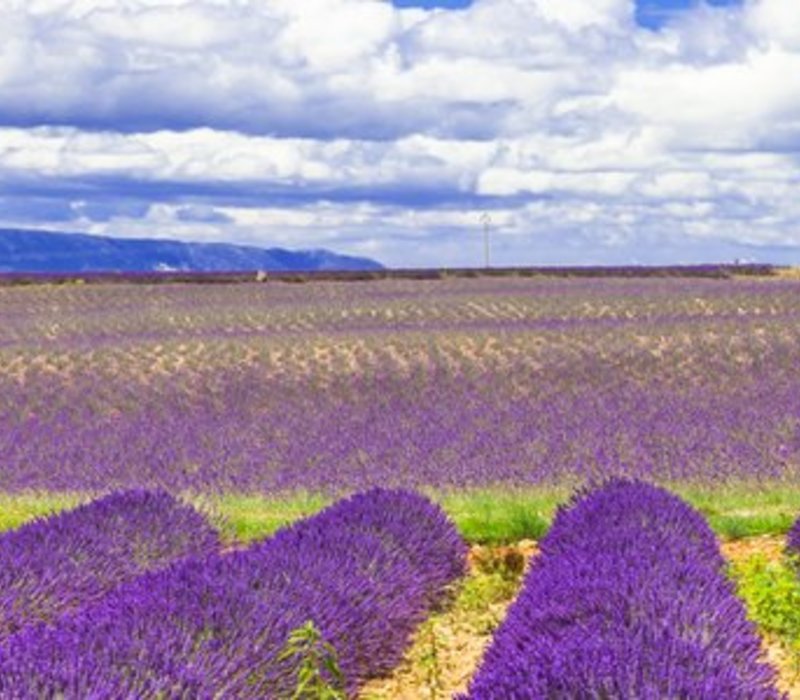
(33, 250)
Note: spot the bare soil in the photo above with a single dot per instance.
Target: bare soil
(447, 649)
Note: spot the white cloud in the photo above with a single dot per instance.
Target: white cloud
(678, 185)
(579, 14)
(331, 121)
(775, 22)
(317, 67)
(729, 105)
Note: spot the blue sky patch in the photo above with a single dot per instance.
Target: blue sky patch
(649, 13)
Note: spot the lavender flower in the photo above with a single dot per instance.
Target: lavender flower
(365, 571)
(793, 539)
(54, 565)
(627, 600)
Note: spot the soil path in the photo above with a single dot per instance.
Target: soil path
(770, 547)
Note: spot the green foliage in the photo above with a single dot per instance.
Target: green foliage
(771, 592)
(318, 676)
(482, 600)
(742, 509)
(246, 518)
(502, 516)
(737, 527)
(493, 584)
(429, 659)
(18, 508)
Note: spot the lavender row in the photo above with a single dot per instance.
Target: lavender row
(246, 433)
(365, 571)
(52, 566)
(113, 313)
(628, 599)
(793, 539)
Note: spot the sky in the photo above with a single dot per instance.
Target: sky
(589, 131)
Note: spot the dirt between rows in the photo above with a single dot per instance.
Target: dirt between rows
(447, 650)
(771, 548)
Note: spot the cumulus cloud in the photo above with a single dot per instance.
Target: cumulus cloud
(324, 68)
(382, 131)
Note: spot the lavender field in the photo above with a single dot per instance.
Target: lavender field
(450, 384)
(497, 397)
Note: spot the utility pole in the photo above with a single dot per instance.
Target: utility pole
(486, 220)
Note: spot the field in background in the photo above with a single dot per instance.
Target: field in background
(497, 395)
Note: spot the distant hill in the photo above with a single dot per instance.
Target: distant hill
(55, 252)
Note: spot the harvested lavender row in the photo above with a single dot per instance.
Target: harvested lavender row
(51, 566)
(628, 599)
(365, 571)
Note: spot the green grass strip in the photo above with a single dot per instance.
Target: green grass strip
(19, 508)
(505, 515)
(740, 510)
(248, 518)
(495, 516)
(499, 515)
(771, 593)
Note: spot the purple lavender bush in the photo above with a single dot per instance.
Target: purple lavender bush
(365, 571)
(627, 600)
(54, 565)
(793, 539)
